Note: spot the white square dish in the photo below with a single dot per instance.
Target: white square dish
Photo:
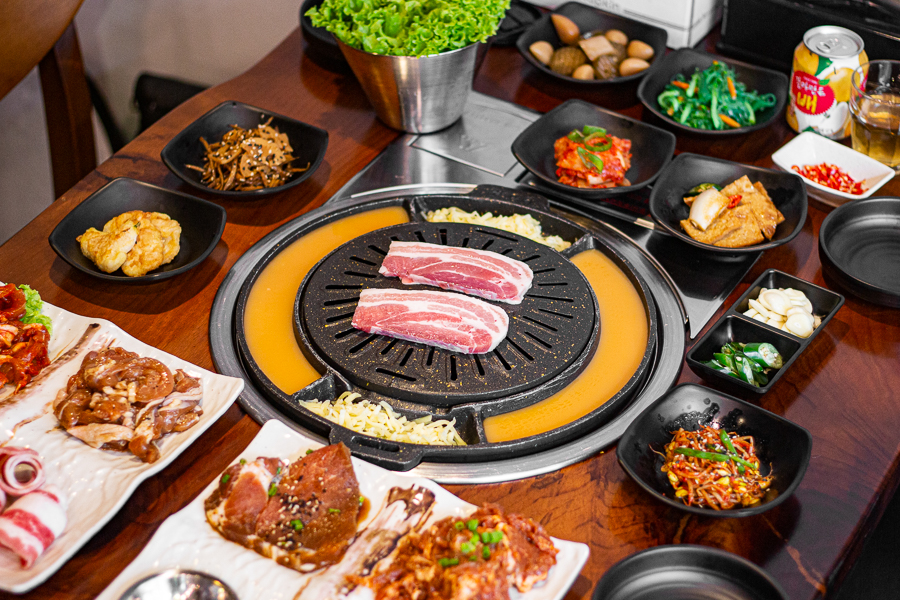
(185, 540)
(95, 483)
(810, 148)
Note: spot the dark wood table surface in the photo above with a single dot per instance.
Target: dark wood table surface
(843, 389)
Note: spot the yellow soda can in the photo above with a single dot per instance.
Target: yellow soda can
(820, 81)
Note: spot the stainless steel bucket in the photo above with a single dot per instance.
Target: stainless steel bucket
(415, 94)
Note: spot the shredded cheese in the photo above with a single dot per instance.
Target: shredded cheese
(381, 420)
(524, 225)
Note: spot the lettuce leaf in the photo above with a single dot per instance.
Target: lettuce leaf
(409, 27)
(33, 307)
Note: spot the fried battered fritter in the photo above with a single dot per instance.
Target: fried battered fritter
(136, 241)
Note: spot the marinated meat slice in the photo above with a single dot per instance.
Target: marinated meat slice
(479, 557)
(243, 492)
(312, 516)
(443, 319)
(478, 272)
(405, 509)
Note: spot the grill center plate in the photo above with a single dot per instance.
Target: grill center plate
(548, 331)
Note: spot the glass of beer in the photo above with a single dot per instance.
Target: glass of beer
(875, 111)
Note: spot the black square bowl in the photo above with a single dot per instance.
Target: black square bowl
(737, 328)
(686, 60)
(591, 19)
(784, 446)
(651, 147)
(309, 144)
(667, 205)
(202, 223)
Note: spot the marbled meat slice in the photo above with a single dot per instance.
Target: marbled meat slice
(243, 492)
(312, 515)
(478, 272)
(479, 557)
(443, 319)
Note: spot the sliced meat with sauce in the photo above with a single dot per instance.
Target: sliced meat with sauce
(243, 492)
(311, 518)
(443, 319)
(478, 272)
(303, 515)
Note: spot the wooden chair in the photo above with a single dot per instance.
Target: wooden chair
(42, 33)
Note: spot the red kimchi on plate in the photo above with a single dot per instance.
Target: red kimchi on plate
(591, 158)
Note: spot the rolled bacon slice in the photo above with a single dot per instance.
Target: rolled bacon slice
(32, 523)
(21, 470)
(446, 320)
(478, 272)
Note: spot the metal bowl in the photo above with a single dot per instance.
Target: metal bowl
(179, 584)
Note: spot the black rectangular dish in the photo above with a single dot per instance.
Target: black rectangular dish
(735, 326)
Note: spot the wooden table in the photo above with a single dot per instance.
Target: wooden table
(843, 389)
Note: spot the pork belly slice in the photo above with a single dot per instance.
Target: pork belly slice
(32, 523)
(478, 272)
(443, 319)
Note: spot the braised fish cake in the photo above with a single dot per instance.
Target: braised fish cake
(135, 241)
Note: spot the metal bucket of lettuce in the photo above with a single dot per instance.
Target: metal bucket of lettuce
(415, 60)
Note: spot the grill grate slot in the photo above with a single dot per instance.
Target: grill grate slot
(344, 287)
(553, 284)
(406, 356)
(520, 350)
(394, 374)
(502, 360)
(540, 323)
(443, 233)
(487, 244)
(378, 250)
(366, 275)
(344, 333)
(363, 261)
(558, 314)
(363, 344)
(389, 347)
(540, 271)
(479, 365)
(341, 302)
(337, 318)
(556, 298)
(420, 236)
(539, 340)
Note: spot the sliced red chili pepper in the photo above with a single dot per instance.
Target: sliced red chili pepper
(734, 200)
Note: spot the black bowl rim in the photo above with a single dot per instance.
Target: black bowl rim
(656, 192)
(859, 287)
(299, 178)
(592, 83)
(591, 193)
(688, 550)
(150, 277)
(778, 109)
(325, 39)
(706, 512)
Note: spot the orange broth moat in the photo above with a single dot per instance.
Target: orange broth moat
(623, 341)
(269, 315)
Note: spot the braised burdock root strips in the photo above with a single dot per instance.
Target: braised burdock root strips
(120, 401)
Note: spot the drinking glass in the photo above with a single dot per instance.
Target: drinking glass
(875, 111)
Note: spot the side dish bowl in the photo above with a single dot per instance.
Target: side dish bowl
(686, 571)
(734, 326)
(810, 148)
(688, 170)
(590, 19)
(782, 445)
(859, 246)
(651, 147)
(308, 142)
(684, 61)
(202, 224)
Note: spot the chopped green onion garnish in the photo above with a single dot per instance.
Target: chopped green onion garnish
(243, 461)
(459, 525)
(486, 552)
(447, 562)
(472, 524)
(272, 489)
(467, 548)
(334, 510)
(297, 524)
(225, 478)
(309, 451)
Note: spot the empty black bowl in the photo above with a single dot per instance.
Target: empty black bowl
(783, 445)
(202, 223)
(686, 60)
(309, 144)
(591, 19)
(682, 571)
(859, 246)
(667, 206)
(651, 147)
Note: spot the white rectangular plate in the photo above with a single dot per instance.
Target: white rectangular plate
(96, 483)
(185, 540)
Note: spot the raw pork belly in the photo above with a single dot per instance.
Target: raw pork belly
(477, 272)
(32, 523)
(441, 319)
